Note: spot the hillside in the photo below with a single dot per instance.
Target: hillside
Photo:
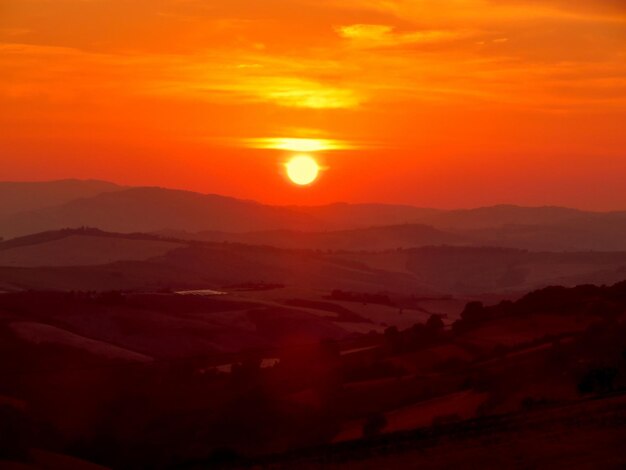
(599, 232)
(95, 260)
(74, 260)
(81, 250)
(474, 270)
(546, 370)
(503, 215)
(352, 216)
(368, 239)
(38, 207)
(154, 209)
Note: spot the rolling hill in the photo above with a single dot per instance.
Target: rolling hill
(78, 249)
(28, 208)
(96, 260)
(368, 239)
(593, 232)
(153, 209)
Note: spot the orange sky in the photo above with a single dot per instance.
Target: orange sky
(441, 103)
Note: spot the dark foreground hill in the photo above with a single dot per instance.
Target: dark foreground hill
(137, 381)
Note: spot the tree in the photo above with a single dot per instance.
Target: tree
(473, 315)
(435, 323)
(598, 380)
(393, 339)
(374, 425)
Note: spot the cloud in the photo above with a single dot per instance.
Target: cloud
(300, 144)
(301, 93)
(450, 52)
(489, 12)
(377, 35)
(259, 78)
(593, 9)
(219, 76)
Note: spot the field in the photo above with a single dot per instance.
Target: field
(586, 435)
(433, 277)
(341, 357)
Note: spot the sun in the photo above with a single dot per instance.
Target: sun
(302, 170)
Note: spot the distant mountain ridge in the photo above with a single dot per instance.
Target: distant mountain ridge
(18, 197)
(151, 209)
(71, 204)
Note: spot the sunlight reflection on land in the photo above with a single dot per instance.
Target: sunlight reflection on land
(201, 292)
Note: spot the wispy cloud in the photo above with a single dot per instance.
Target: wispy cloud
(221, 77)
(360, 55)
(299, 144)
(258, 77)
(378, 35)
(464, 12)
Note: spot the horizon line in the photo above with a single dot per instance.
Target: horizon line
(334, 203)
